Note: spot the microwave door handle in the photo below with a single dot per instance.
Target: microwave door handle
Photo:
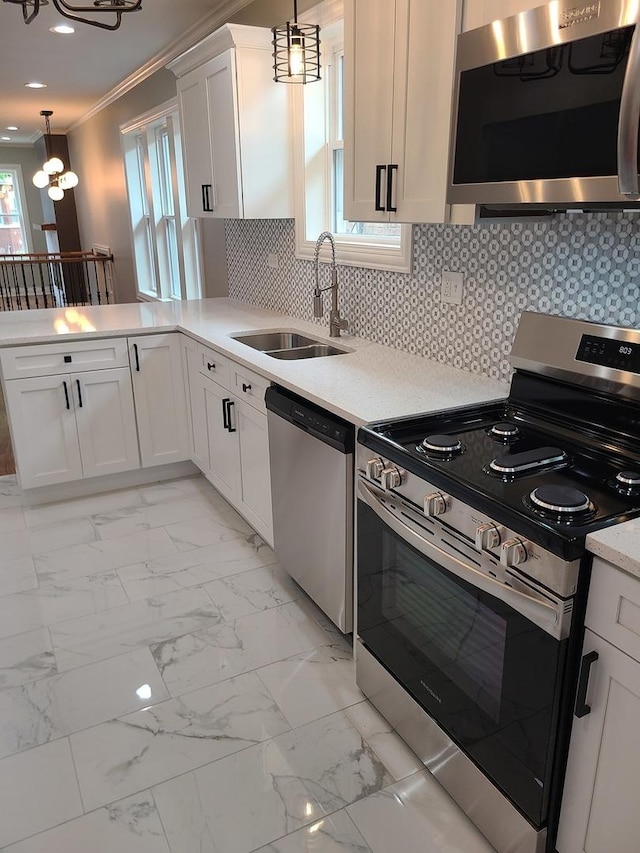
(545, 616)
(628, 122)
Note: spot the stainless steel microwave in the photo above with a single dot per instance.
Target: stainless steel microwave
(546, 108)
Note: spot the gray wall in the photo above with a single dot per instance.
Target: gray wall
(26, 157)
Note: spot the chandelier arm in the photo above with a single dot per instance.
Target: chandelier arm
(90, 22)
(117, 8)
(36, 8)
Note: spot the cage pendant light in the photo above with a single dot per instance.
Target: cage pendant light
(52, 175)
(296, 51)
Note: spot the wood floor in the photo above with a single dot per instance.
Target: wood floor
(7, 463)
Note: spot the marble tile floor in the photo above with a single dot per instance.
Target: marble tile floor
(166, 688)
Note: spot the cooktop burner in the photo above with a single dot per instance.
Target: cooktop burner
(562, 502)
(440, 445)
(516, 464)
(504, 431)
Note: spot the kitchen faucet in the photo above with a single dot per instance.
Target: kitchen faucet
(336, 323)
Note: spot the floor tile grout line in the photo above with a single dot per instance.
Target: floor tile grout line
(164, 828)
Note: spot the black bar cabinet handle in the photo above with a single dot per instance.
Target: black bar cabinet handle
(229, 404)
(379, 171)
(582, 709)
(225, 414)
(206, 202)
(210, 365)
(66, 393)
(135, 352)
(246, 388)
(79, 393)
(391, 168)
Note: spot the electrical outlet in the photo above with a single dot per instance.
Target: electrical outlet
(451, 287)
(273, 260)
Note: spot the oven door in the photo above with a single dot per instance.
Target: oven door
(482, 658)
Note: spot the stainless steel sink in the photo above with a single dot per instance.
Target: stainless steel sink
(311, 351)
(268, 341)
(288, 345)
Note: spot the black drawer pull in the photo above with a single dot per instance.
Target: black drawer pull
(582, 709)
(66, 393)
(135, 351)
(210, 365)
(67, 359)
(79, 393)
(246, 388)
(206, 201)
(225, 414)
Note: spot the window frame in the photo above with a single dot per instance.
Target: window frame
(156, 194)
(21, 202)
(313, 168)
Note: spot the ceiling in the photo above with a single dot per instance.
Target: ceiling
(82, 68)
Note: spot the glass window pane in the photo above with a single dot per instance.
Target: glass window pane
(164, 163)
(340, 96)
(140, 157)
(172, 257)
(12, 237)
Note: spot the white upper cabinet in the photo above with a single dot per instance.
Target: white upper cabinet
(399, 63)
(236, 129)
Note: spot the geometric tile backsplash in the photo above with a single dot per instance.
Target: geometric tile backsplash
(577, 265)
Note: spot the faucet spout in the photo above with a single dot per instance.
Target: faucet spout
(336, 322)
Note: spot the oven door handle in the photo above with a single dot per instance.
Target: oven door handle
(542, 614)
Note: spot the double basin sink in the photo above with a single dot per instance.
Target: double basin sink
(289, 345)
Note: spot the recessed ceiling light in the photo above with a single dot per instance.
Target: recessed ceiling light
(12, 127)
(6, 139)
(64, 29)
(35, 85)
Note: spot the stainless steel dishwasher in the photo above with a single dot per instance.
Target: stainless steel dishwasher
(311, 456)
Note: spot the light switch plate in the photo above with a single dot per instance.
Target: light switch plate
(273, 260)
(451, 287)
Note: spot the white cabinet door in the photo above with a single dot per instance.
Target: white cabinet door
(106, 421)
(192, 92)
(222, 433)
(254, 497)
(43, 430)
(369, 28)
(399, 63)
(158, 387)
(600, 800)
(426, 32)
(222, 100)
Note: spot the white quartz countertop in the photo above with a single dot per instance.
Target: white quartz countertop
(619, 545)
(372, 382)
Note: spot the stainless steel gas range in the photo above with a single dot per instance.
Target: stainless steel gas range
(472, 574)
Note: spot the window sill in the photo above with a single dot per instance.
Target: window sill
(371, 256)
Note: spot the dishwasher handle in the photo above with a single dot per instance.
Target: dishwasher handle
(317, 422)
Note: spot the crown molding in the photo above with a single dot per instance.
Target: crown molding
(224, 10)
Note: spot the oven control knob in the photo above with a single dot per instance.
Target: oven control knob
(513, 552)
(487, 537)
(435, 504)
(375, 467)
(390, 478)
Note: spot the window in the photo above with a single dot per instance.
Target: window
(165, 240)
(14, 235)
(320, 171)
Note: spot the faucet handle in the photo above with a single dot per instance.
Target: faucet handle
(318, 308)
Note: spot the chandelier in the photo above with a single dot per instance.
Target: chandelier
(52, 175)
(296, 51)
(75, 12)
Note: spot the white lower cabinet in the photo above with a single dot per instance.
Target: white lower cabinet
(160, 401)
(230, 439)
(600, 800)
(68, 427)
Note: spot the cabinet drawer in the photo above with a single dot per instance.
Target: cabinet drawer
(249, 386)
(213, 365)
(71, 357)
(613, 609)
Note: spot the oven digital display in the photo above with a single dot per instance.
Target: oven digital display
(608, 352)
